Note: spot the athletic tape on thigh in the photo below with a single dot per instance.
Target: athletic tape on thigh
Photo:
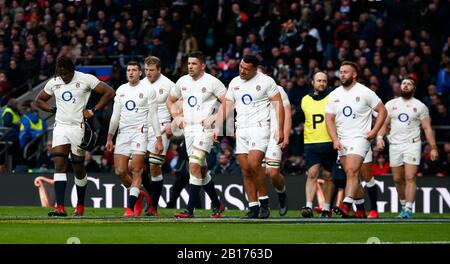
(273, 164)
(207, 179)
(195, 181)
(198, 156)
(155, 159)
(81, 182)
(371, 183)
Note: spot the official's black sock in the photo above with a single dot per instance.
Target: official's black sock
(373, 196)
(194, 197)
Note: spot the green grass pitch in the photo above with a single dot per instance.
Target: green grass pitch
(25, 225)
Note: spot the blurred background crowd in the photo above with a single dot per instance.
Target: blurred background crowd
(389, 40)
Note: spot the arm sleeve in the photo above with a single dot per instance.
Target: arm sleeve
(230, 94)
(330, 107)
(219, 88)
(115, 117)
(48, 88)
(92, 81)
(423, 112)
(152, 117)
(176, 90)
(373, 99)
(272, 90)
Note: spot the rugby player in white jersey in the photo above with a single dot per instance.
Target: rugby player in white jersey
(71, 90)
(349, 124)
(135, 109)
(202, 95)
(272, 160)
(162, 86)
(252, 92)
(405, 116)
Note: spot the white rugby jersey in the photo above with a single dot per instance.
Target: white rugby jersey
(131, 106)
(273, 113)
(353, 109)
(162, 87)
(251, 98)
(405, 117)
(71, 98)
(200, 97)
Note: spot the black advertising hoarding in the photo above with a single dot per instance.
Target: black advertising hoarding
(105, 191)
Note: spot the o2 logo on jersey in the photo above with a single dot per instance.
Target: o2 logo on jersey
(247, 99)
(130, 105)
(347, 111)
(192, 102)
(67, 96)
(403, 117)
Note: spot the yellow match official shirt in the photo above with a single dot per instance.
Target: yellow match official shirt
(315, 130)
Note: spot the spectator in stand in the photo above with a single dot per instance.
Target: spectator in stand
(227, 166)
(90, 164)
(380, 167)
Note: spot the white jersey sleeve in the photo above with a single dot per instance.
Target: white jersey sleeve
(176, 90)
(219, 88)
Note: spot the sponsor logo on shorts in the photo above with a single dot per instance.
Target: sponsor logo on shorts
(77, 85)
(183, 88)
(122, 95)
(258, 88)
(236, 88)
(337, 101)
(57, 87)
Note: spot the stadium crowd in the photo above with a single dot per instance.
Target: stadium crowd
(389, 40)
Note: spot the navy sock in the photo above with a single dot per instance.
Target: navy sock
(81, 193)
(60, 189)
(360, 207)
(156, 188)
(254, 209)
(131, 201)
(194, 197)
(373, 195)
(211, 191)
(146, 182)
(264, 203)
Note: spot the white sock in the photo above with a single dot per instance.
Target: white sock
(408, 206)
(402, 203)
(309, 204)
(326, 207)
